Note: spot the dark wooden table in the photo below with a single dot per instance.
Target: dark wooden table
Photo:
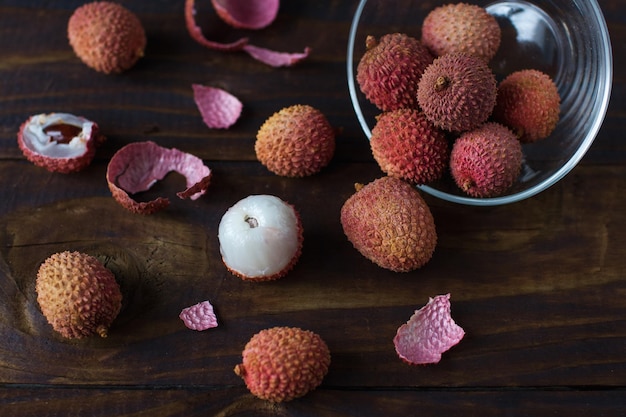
(539, 286)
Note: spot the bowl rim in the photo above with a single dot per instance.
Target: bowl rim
(607, 74)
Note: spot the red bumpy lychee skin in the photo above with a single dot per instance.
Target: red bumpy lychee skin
(457, 92)
(529, 103)
(283, 363)
(486, 162)
(296, 141)
(461, 27)
(390, 69)
(406, 145)
(390, 224)
(106, 36)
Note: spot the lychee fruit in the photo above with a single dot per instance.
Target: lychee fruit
(106, 36)
(390, 69)
(529, 103)
(296, 141)
(59, 142)
(77, 294)
(406, 145)
(283, 363)
(457, 92)
(260, 238)
(461, 28)
(390, 224)
(486, 162)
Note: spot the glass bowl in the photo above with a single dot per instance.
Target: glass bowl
(568, 40)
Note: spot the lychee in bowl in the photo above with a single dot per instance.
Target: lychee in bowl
(567, 40)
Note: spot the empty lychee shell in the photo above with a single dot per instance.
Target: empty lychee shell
(430, 332)
(199, 316)
(267, 56)
(260, 238)
(59, 142)
(138, 166)
(219, 108)
(247, 14)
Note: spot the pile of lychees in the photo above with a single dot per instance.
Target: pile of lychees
(441, 87)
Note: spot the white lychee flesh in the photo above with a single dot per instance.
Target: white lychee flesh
(260, 237)
(41, 141)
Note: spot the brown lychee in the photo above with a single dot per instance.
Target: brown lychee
(77, 294)
(529, 103)
(457, 92)
(390, 69)
(406, 145)
(461, 27)
(296, 141)
(486, 162)
(106, 36)
(283, 363)
(390, 224)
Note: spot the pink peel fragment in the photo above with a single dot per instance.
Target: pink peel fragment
(138, 166)
(219, 108)
(247, 14)
(199, 316)
(266, 56)
(429, 332)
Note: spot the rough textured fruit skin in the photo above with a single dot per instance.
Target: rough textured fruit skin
(283, 363)
(461, 27)
(296, 141)
(77, 294)
(457, 92)
(390, 69)
(106, 36)
(486, 162)
(390, 224)
(406, 145)
(529, 103)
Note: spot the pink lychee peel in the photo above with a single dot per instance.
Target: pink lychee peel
(429, 332)
(138, 166)
(199, 316)
(219, 108)
(247, 14)
(266, 56)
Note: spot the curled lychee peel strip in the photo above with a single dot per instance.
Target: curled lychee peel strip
(138, 166)
(199, 316)
(266, 56)
(429, 333)
(247, 14)
(219, 108)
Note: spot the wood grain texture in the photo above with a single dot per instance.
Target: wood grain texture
(539, 286)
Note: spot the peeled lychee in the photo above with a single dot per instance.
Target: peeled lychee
(283, 363)
(106, 36)
(529, 103)
(260, 238)
(461, 27)
(390, 69)
(59, 142)
(296, 141)
(486, 162)
(457, 92)
(390, 224)
(406, 145)
(77, 294)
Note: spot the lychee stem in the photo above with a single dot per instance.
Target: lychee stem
(441, 83)
(252, 222)
(102, 330)
(370, 42)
